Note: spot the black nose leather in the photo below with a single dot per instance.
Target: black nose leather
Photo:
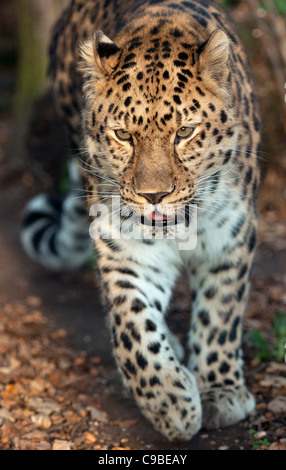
(154, 198)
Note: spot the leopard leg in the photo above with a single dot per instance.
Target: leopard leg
(220, 288)
(137, 283)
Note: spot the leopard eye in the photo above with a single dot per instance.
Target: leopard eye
(185, 132)
(121, 134)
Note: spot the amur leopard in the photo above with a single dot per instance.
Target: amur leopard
(159, 105)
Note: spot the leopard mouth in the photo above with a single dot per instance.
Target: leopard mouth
(160, 219)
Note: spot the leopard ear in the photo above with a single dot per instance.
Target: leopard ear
(106, 52)
(99, 56)
(214, 57)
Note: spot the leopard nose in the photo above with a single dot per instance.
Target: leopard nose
(154, 198)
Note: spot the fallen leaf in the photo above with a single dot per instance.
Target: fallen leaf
(278, 405)
(42, 446)
(37, 386)
(121, 448)
(95, 360)
(36, 317)
(259, 435)
(61, 445)
(5, 414)
(33, 301)
(59, 334)
(14, 363)
(126, 423)
(12, 390)
(275, 381)
(36, 435)
(277, 446)
(97, 415)
(261, 405)
(7, 432)
(89, 437)
(41, 421)
(43, 405)
(276, 367)
(79, 361)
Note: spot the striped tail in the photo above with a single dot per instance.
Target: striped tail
(55, 228)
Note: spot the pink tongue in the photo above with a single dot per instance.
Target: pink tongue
(158, 216)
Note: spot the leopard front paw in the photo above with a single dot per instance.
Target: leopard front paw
(173, 405)
(225, 406)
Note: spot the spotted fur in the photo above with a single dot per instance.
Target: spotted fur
(160, 66)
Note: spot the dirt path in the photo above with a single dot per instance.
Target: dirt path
(59, 385)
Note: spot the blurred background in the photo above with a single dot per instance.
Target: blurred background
(32, 159)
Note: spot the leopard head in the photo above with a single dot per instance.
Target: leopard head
(158, 116)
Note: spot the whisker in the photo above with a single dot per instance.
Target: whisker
(220, 199)
(95, 173)
(237, 149)
(218, 171)
(203, 209)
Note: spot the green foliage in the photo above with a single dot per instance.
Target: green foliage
(261, 345)
(256, 443)
(91, 264)
(228, 3)
(64, 181)
(280, 5)
(276, 351)
(279, 329)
